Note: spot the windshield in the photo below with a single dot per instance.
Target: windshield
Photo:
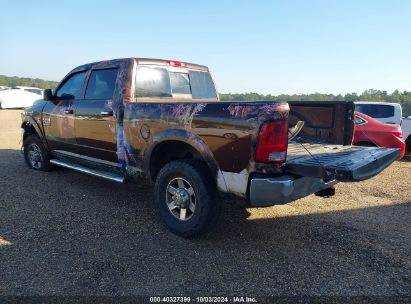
(159, 82)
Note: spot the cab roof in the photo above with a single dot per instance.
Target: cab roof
(144, 61)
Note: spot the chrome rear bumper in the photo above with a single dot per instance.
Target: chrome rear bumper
(284, 189)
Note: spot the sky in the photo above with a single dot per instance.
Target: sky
(277, 46)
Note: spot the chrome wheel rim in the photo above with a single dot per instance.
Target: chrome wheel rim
(35, 157)
(180, 199)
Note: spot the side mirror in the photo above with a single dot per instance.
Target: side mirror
(48, 95)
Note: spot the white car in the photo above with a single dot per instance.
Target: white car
(386, 112)
(19, 97)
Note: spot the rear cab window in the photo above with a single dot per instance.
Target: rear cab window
(169, 82)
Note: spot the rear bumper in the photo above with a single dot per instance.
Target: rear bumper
(281, 190)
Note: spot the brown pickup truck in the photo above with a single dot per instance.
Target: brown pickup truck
(163, 120)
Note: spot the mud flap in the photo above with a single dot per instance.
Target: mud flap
(346, 165)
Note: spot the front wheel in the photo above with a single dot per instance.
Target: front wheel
(186, 197)
(35, 154)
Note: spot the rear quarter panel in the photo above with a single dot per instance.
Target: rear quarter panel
(225, 134)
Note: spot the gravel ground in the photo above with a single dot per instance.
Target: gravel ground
(65, 233)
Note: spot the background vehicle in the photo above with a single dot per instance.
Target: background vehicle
(19, 97)
(163, 119)
(386, 112)
(406, 131)
(390, 113)
(371, 132)
(2, 88)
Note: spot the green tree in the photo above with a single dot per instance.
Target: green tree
(29, 82)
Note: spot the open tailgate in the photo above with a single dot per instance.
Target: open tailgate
(322, 148)
(346, 164)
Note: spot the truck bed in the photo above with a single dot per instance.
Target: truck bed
(297, 150)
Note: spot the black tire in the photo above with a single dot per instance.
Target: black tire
(197, 180)
(35, 154)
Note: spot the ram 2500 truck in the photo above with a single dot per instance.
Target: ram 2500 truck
(163, 119)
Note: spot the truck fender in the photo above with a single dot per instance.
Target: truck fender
(30, 121)
(195, 142)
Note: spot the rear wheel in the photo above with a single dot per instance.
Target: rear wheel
(186, 197)
(35, 154)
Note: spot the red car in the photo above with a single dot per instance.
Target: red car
(371, 132)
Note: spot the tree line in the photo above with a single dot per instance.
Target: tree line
(27, 82)
(404, 98)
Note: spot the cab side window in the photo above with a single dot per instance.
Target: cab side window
(101, 84)
(71, 89)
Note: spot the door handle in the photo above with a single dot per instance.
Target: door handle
(106, 113)
(68, 111)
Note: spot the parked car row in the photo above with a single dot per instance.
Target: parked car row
(19, 97)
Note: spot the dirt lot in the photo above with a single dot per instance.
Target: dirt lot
(64, 233)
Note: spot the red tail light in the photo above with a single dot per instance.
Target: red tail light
(175, 63)
(272, 145)
(397, 134)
